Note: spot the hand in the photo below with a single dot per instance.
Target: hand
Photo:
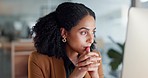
(89, 61)
(77, 73)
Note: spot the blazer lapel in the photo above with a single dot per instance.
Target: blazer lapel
(59, 68)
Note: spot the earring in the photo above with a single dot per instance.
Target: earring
(64, 40)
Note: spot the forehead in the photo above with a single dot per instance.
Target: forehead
(88, 22)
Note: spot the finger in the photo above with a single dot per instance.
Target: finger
(88, 55)
(93, 54)
(84, 63)
(83, 58)
(93, 67)
(90, 67)
(88, 61)
(87, 50)
(84, 55)
(95, 59)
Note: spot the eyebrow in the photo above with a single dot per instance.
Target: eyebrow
(86, 28)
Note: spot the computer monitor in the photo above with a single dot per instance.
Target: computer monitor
(135, 60)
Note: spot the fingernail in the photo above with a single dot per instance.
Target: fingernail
(91, 62)
(79, 68)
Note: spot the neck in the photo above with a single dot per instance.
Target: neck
(72, 55)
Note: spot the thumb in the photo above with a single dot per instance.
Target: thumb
(87, 49)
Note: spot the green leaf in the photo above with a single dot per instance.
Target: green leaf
(114, 54)
(114, 64)
(121, 46)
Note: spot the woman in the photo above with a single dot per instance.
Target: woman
(64, 40)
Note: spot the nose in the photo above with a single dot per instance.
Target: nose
(90, 38)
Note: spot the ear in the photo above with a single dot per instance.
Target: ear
(63, 32)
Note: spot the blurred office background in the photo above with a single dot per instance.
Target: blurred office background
(18, 16)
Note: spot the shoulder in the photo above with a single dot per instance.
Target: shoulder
(40, 59)
(39, 65)
(39, 56)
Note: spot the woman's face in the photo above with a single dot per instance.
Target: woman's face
(81, 35)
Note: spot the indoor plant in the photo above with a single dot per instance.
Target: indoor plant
(115, 55)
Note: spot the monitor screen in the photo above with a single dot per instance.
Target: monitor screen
(135, 60)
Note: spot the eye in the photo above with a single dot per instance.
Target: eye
(93, 32)
(83, 33)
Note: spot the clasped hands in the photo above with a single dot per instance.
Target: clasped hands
(87, 62)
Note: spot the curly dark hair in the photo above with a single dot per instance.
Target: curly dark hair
(48, 39)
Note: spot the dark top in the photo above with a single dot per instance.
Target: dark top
(69, 66)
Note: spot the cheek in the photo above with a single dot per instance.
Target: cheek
(80, 39)
(77, 44)
(76, 40)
